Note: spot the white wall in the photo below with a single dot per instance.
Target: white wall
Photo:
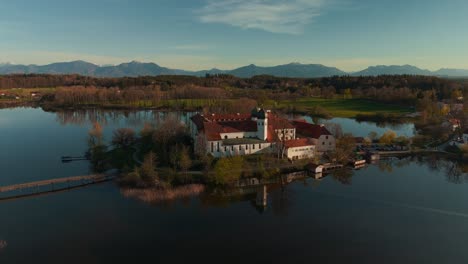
(234, 150)
(301, 152)
(326, 143)
(290, 133)
(239, 135)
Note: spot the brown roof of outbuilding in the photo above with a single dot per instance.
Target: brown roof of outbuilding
(310, 130)
(299, 142)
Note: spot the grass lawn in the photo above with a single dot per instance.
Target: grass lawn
(347, 107)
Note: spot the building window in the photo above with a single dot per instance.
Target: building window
(218, 147)
(253, 146)
(246, 147)
(225, 148)
(326, 137)
(232, 148)
(225, 137)
(259, 146)
(240, 147)
(212, 147)
(323, 143)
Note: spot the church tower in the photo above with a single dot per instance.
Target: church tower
(262, 124)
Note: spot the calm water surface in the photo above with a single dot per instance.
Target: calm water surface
(399, 211)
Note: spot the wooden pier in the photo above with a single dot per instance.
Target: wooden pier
(67, 159)
(55, 184)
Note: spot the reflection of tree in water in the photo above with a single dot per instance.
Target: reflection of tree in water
(434, 163)
(87, 116)
(223, 198)
(454, 170)
(281, 199)
(402, 162)
(105, 117)
(454, 173)
(343, 176)
(386, 165)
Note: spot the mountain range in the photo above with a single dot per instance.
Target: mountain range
(298, 70)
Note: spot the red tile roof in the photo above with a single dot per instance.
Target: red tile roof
(215, 124)
(300, 142)
(272, 136)
(214, 129)
(278, 122)
(310, 130)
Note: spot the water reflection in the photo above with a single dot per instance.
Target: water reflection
(455, 171)
(275, 194)
(362, 129)
(3, 244)
(115, 117)
(343, 175)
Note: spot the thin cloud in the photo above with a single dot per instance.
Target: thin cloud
(277, 16)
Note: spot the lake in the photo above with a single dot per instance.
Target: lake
(362, 129)
(398, 211)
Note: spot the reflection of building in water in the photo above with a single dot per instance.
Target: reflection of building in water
(262, 196)
(260, 192)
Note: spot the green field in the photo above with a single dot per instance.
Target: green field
(347, 107)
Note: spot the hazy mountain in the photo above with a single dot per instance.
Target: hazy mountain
(288, 70)
(134, 68)
(77, 67)
(74, 67)
(392, 70)
(452, 72)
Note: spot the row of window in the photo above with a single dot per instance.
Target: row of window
(235, 147)
(300, 157)
(303, 149)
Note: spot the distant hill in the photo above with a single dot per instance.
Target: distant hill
(451, 73)
(392, 70)
(294, 70)
(288, 70)
(132, 69)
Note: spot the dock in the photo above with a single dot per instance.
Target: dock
(67, 159)
(54, 184)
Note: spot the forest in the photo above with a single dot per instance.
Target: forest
(225, 92)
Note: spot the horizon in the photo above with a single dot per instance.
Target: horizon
(350, 35)
(230, 69)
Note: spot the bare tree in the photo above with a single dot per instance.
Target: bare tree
(123, 137)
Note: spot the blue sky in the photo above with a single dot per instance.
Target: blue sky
(201, 34)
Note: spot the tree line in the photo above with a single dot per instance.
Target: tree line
(76, 89)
